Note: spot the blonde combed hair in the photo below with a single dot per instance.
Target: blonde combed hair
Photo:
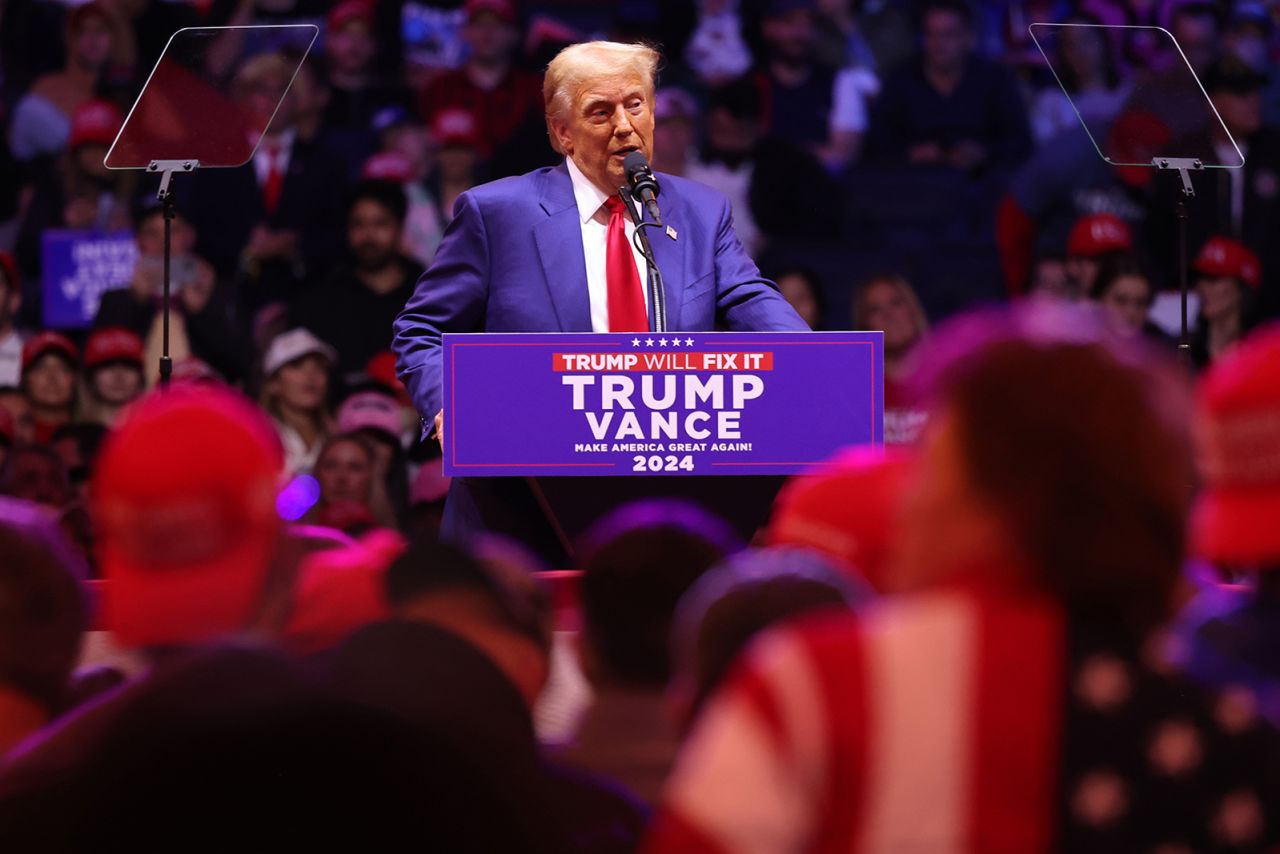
(579, 63)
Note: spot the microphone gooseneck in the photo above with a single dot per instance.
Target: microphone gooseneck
(642, 184)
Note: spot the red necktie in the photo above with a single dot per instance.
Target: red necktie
(274, 183)
(626, 299)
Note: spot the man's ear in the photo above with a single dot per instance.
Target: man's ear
(558, 131)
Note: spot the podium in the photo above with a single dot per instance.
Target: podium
(563, 428)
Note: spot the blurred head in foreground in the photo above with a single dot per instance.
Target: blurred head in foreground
(1057, 462)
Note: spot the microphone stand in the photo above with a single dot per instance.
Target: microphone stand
(657, 287)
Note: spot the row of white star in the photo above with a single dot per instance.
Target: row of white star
(662, 342)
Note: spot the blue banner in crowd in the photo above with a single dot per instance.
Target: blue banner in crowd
(78, 267)
(705, 403)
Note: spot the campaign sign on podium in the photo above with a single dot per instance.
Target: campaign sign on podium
(688, 403)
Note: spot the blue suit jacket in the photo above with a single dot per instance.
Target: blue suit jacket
(511, 261)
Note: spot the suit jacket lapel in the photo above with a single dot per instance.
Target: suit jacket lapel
(559, 241)
(670, 255)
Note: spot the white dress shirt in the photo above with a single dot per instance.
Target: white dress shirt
(281, 150)
(594, 234)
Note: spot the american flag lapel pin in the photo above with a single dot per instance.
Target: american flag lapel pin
(671, 232)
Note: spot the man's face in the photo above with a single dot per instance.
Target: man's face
(351, 47)
(790, 36)
(945, 40)
(490, 38)
(609, 118)
(1241, 111)
(373, 235)
(150, 236)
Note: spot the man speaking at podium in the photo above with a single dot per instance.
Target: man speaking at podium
(553, 251)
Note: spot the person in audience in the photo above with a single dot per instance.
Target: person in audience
(350, 477)
(355, 93)
(1066, 181)
(275, 223)
(949, 106)
(776, 189)
(846, 509)
(1084, 62)
(457, 158)
(1049, 279)
(482, 627)
(42, 620)
(78, 445)
(41, 120)
(15, 402)
(1122, 290)
(50, 364)
(113, 373)
(406, 156)
(803, 289)
(295, 394)
(201, 310)
(75, 190)
(10, 304)
(734, 602)
(716, 51)
(1094, 240)
(889, 304)
(802, 93)
(504, 100)
(244, 743)
(1228, 276)
(353, 308)
(36, 473)
(1240, 203)
(1042, 537)
(1228, 634)
(636, 564)
(675, 131)
(382, 419)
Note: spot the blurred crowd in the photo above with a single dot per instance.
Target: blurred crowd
(1048, 611)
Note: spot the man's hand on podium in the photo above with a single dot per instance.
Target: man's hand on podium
(440, 429)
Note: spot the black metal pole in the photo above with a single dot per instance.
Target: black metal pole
(166, 363)
(1184, 339)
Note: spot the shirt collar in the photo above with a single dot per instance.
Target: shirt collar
(588, 195)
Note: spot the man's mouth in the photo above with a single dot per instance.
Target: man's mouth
(625, 150)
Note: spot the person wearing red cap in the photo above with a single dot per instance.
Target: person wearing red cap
(42, 119)
(1092, 240)
(1011, 690)
(50, 365)
(356, 94)
(505, 101)
(1228, 276)
(1230, 634)
(113, 373)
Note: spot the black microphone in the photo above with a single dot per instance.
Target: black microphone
(642, 183)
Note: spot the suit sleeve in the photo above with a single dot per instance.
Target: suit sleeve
(449, 297)
(745, 300)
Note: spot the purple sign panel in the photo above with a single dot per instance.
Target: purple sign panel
(705, 403)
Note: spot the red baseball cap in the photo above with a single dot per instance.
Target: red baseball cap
(382, 369)
(113, 344)
(455, 126)
(846, 508)
(1237, 432)
(1222, 256)
(95, 122)
(388, 166)
(348, 11)
(48, 342)
(184, 496)
(1097, 234)
(340, 590)
(504, 10)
